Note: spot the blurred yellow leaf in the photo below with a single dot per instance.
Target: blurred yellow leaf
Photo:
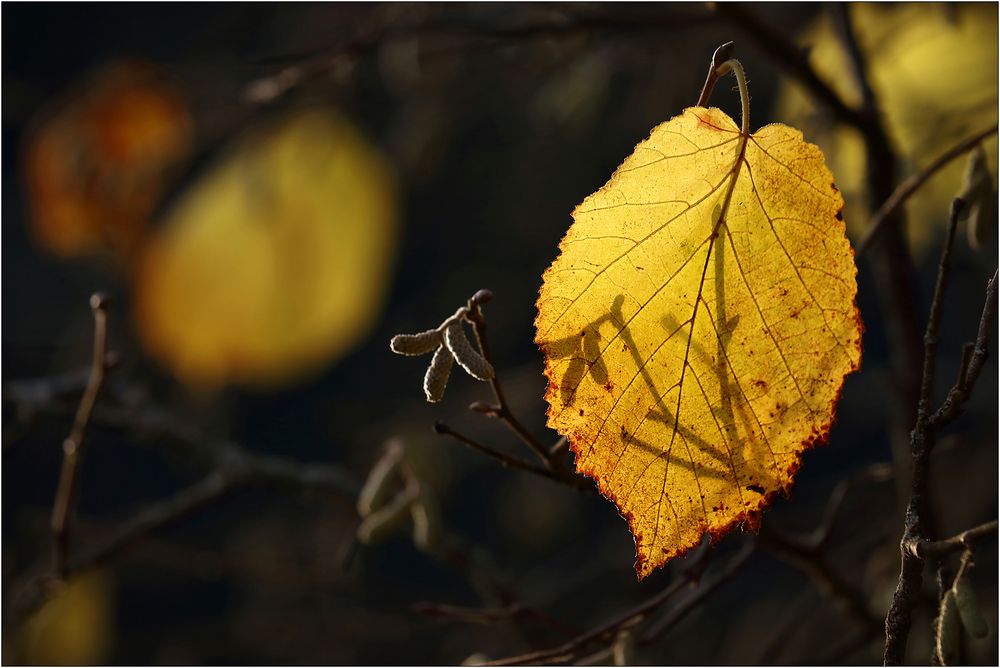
(934, 72)
(698, 325)
(95, 168)
(276, 261)
(76, 626)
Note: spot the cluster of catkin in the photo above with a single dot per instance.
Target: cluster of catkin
(449, 344)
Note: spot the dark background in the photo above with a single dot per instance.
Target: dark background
(267, 577)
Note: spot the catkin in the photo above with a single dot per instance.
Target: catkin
(380, 524)
(424, 535)
(380, 481)
(623, 649)
(980, 198)
(967, 604)
(437, 375)
(465, 354)
(415, 344)
(947, 631)
(982, 219)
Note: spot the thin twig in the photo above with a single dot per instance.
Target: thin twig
(490, 615)
(458, 37)
(972, 363)
(936, 549)
(907, 188)
(62, 508)
(502, 457)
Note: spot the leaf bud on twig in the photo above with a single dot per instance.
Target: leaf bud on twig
(481, 297)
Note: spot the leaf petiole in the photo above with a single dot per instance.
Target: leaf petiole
(734, 66)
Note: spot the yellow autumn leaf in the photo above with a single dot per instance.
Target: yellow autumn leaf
(276, 261)
(698, 325)
(933, 68)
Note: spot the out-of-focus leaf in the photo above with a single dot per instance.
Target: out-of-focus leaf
(95, 167)
(934, 72)
(76, 626)
(276, 261)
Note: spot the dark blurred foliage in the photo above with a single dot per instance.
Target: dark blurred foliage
(498, 119)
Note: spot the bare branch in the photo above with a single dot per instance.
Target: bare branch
(62, 508)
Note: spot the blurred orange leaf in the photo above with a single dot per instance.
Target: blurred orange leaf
(698, 325)
(95, 168)
(276, 261)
